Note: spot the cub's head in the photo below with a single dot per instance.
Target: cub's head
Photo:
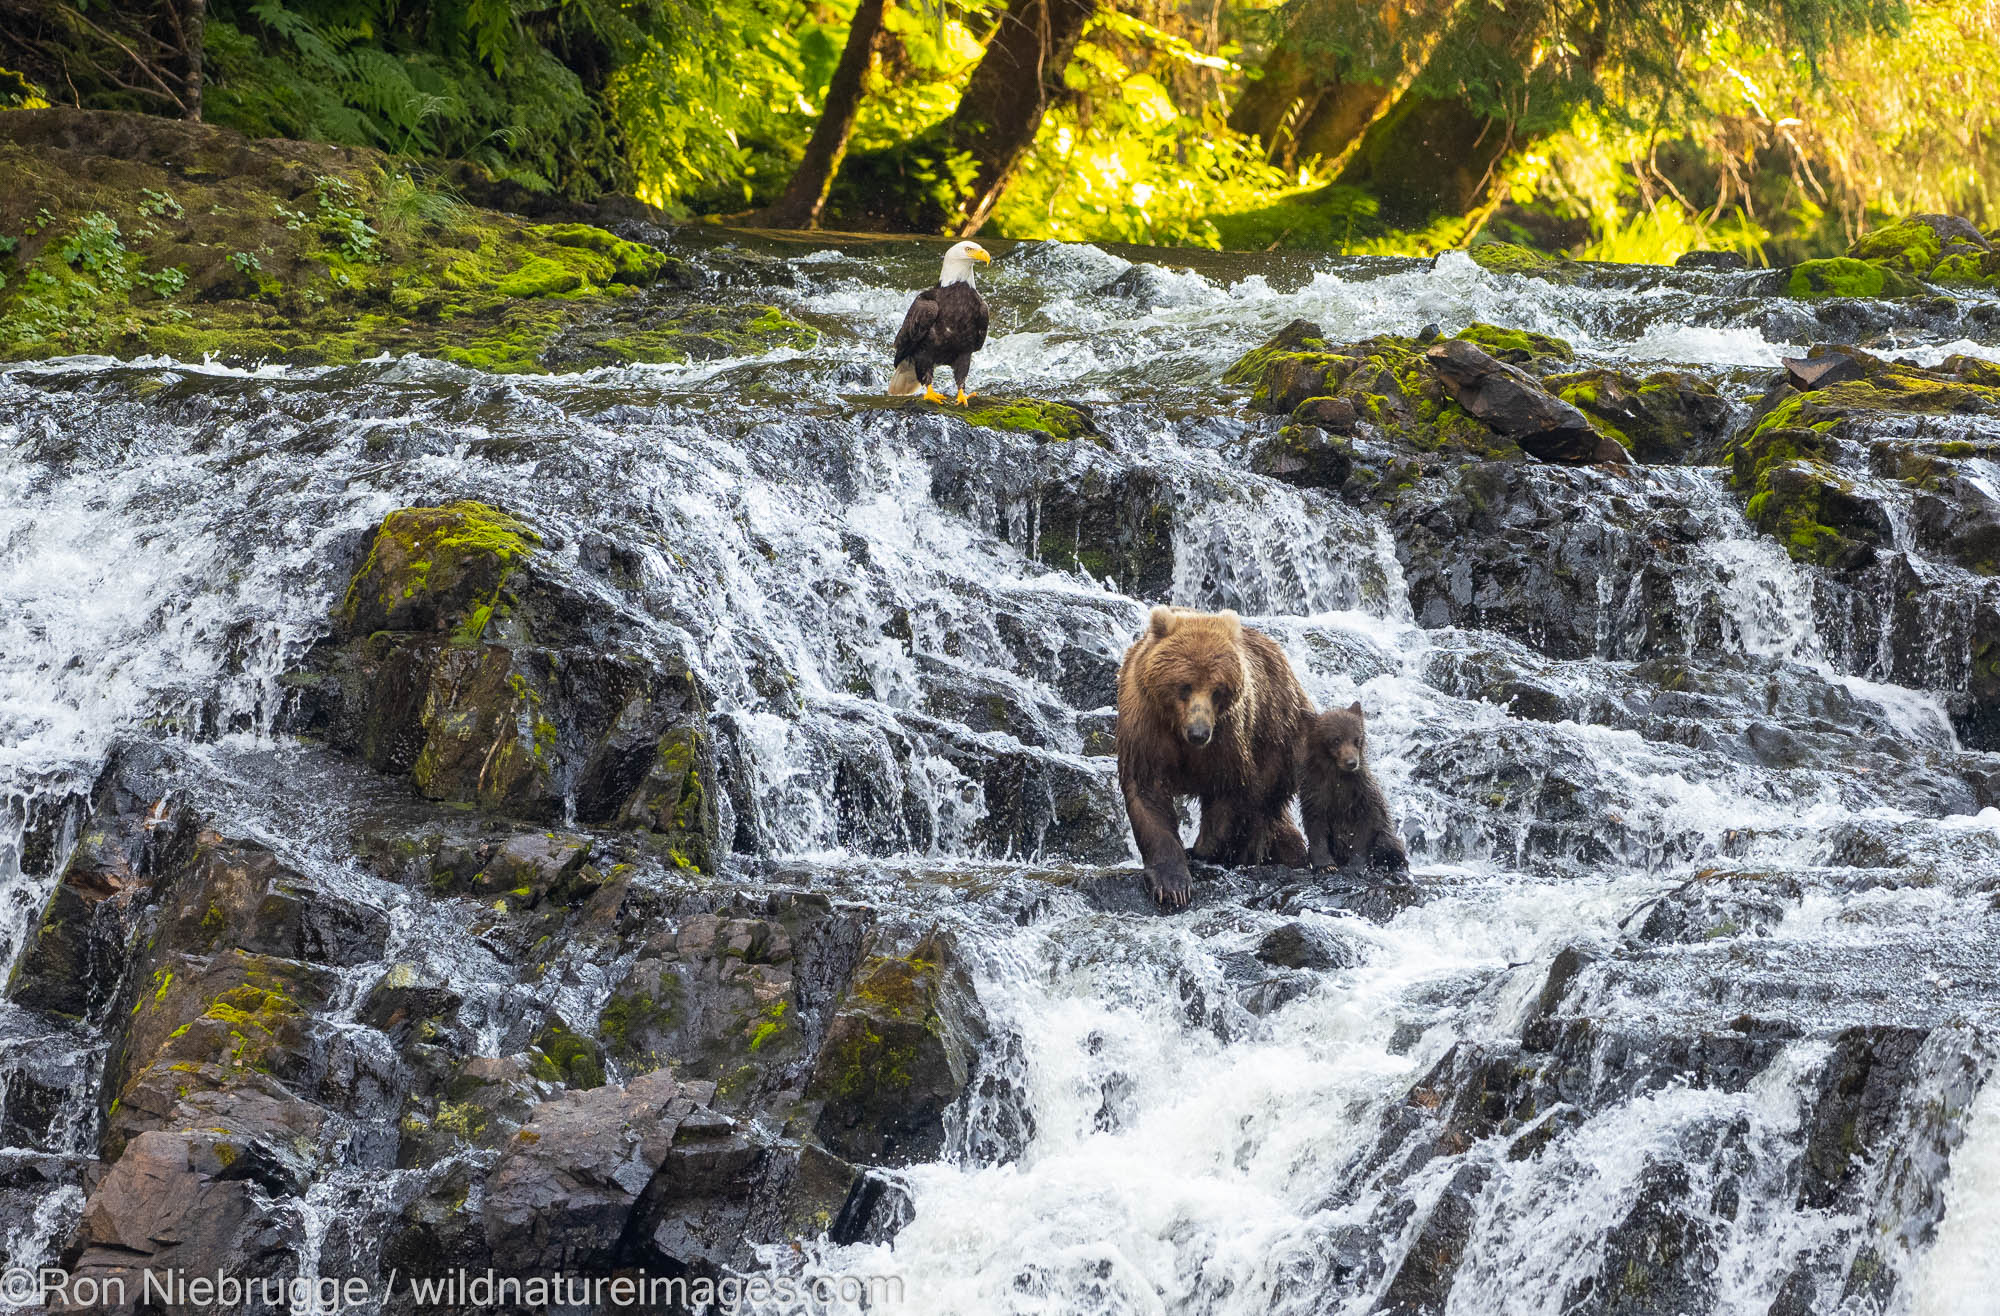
(1337, 741)
(1194, 673)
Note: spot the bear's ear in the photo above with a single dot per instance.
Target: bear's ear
(1163, 622)
(1355, 708)
(1230, 621)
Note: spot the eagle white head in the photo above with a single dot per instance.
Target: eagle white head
(958, 263)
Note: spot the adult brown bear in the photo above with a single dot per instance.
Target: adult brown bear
(1210, 708)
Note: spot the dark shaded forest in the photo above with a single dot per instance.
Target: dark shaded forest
(1609, 129)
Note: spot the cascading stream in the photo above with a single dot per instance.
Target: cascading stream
(1540, 1071)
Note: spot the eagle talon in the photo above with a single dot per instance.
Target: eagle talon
(964, 397)
(932, 395)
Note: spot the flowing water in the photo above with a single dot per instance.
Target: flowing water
(1432, 1123)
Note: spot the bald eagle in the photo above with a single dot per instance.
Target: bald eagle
(945, 326)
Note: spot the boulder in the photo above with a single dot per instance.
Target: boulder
(183, 1205)
(1305, 455)
(1384, 380)
(1670, 417)
(898, 1054)
(1711, 260)
(1810, 373)
(1510, 401)
(464, 658)
(562, 1192)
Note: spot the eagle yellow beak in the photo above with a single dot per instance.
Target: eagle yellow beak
(979, 254)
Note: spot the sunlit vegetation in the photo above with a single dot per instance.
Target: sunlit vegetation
(1619, 130)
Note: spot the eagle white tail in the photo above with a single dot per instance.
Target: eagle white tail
(903, 381)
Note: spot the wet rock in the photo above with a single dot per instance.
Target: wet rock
(560, 1196)
(1513, 404)
(1659, 1258)
(210, 1025)
(1422, 1285)
(182, 1205)
(724, 1190)
(1334, 415)
(1669, 417)
(1711, 260)
(1384, 380)
(1304, 455)
(1820, 372)
(1302, 946)
(1535, 552)
(1860, 1094)
(405, 998)
(490, 679)
(237, 894)
(742, 997)
(1115, 526)
(898, 1053)
(436, 569)
(483, 1104)
(77, 954)
(1725, 905)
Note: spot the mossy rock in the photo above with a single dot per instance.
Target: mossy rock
(1844, 276)
(436, 569)
(1669, 417)
(560, 1055)
(896, 1056)
(1512, 258)
(1521, 347)
(1385, 379)
(694, 333)
(1968, 269)
(1817, 515)
(1917, 244)
(1056, 422)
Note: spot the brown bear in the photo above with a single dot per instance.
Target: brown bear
(1210, 708)
(1346, 818)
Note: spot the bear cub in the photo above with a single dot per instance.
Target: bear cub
(1346, 819)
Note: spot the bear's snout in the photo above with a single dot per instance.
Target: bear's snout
(1350, 760)
(1200, 729)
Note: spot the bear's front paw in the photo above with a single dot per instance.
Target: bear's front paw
(1171, 888)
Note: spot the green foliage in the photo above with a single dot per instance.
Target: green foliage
(164, 282)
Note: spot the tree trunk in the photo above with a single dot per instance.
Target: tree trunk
(1017, 79)
(805, 195)
(1432, 153)
(1426, 157)
(1319, 91)
(192, 48)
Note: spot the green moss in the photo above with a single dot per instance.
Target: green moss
(1051, 420)
(769, 1026)
(567, 1058)
(248, 271)
(415, 546)
(1971, 269)
(1843, 276)
(1515, 344)
(541, 277)
(1910, 247)
(1509, 258)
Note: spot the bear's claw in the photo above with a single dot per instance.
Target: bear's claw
(1170, 890)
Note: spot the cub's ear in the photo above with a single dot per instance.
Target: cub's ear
(1355, 708)
(1162, 622)
(1230, 620)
